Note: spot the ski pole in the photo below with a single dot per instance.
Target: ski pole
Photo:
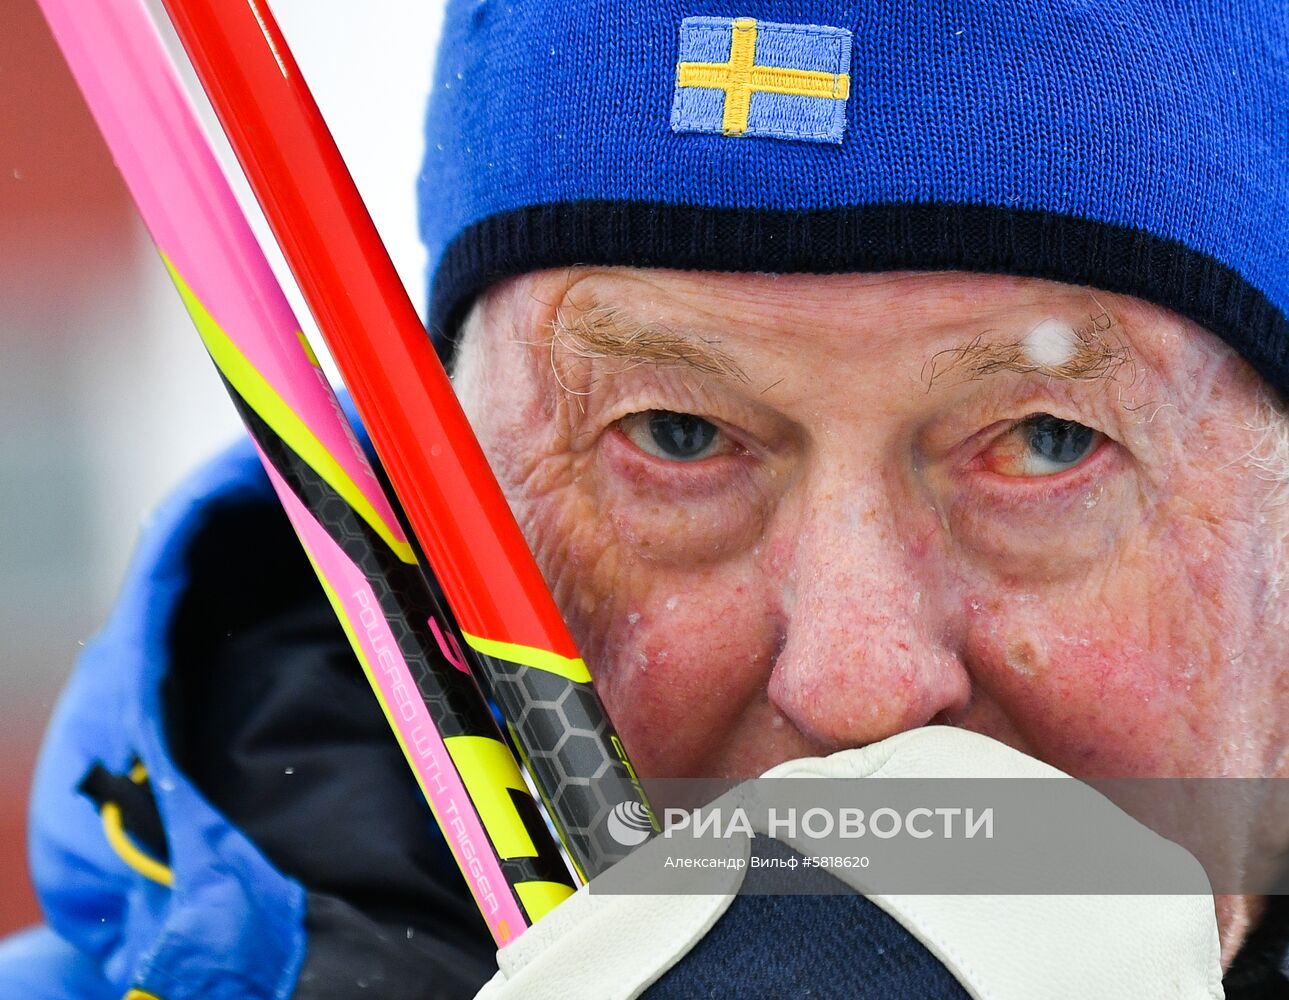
(455, 507)
(350, 530)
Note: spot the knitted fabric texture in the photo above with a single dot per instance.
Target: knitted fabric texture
(1139, 146)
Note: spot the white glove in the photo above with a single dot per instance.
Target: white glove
(1004, 947)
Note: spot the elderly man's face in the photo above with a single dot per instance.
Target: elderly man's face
(788, 515)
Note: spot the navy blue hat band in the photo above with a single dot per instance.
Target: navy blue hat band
(863, 238)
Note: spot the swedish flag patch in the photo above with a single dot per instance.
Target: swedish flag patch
(739, 76)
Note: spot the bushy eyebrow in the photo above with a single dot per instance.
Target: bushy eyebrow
(1097, 354)
(604, 333)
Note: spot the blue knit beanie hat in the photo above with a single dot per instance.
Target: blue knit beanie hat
(1140, 146)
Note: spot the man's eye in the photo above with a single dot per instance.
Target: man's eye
(1042, 445)
(674, 437)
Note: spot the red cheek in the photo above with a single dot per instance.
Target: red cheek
(682, 678)
(1091, 706)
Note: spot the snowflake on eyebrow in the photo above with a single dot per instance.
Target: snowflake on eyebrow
(1096, 353)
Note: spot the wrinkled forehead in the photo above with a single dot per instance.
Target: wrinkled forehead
(953, 324)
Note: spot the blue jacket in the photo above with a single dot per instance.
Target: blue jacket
(164, 820)
(230, 925)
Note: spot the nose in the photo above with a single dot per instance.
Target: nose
(867, 650)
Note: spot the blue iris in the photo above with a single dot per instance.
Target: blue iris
(1060, 442)
(681, 436)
